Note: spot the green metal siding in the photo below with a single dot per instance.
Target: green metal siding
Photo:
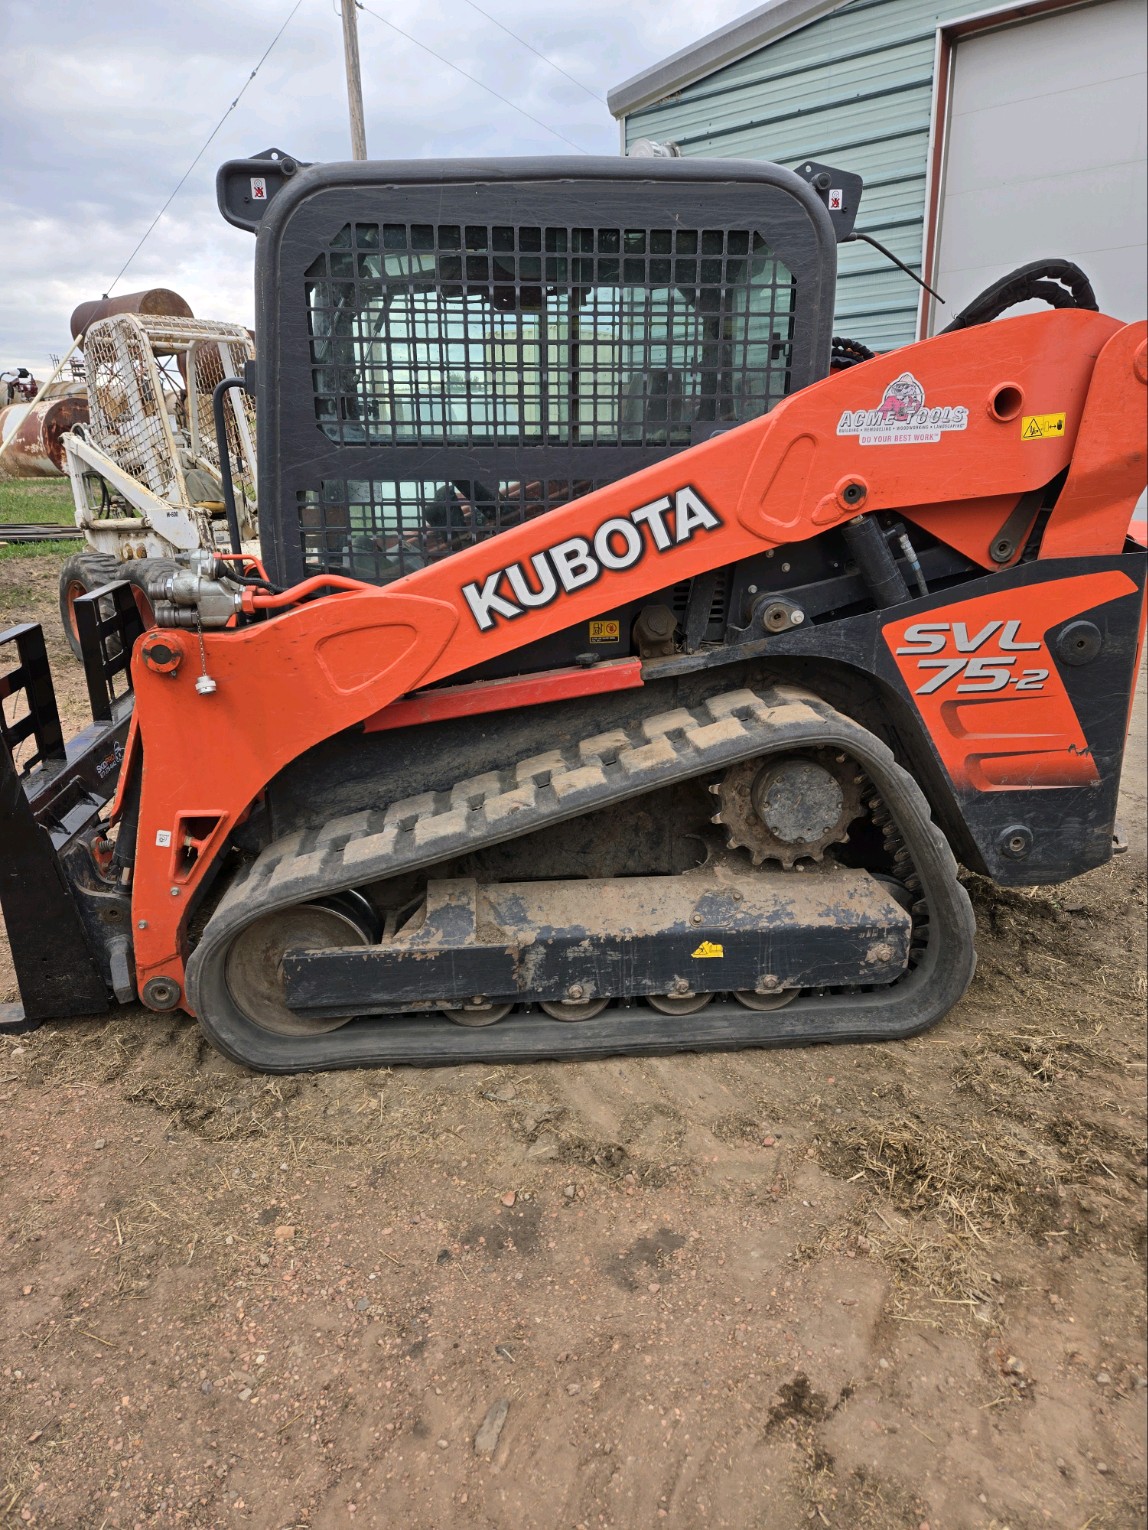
(854, 88)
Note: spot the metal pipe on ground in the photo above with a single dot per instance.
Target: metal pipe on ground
(38, 532)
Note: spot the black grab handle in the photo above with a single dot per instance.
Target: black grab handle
(225, 457)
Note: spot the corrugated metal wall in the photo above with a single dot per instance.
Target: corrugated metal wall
(854, 89)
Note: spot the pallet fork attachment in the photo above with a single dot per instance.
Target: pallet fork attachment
(68, 936)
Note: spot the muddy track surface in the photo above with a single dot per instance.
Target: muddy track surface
(867, 1288)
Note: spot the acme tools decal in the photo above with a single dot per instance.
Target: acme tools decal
(619, 543)
(902, 418)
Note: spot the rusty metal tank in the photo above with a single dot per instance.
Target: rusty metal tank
(156, 301)
(37, 450)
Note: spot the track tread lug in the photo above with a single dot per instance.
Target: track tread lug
(440, 826)
(296, 870)
(602, 744)
(587, 778)
(539, 765)
(662, 723)
(412, 808)
(290, 844)
(477, 789)
(350, 826)
(731, 702)
(370, 849)
(507, 805)
(647, 759)
(726, 731)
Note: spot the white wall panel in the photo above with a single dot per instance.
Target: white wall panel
(1045, 154)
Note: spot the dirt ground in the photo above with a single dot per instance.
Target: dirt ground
(864, 1288)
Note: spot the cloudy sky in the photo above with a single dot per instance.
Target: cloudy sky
(106, 102)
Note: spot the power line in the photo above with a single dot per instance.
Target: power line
(534, 50)
(204, 149)
(472, 78)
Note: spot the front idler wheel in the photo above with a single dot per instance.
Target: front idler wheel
(254, 966)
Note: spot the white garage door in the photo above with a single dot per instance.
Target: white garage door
(1045, 155)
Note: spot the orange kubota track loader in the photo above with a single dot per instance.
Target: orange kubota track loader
(628, 666)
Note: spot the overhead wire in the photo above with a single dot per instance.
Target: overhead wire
(204, 148)
(503, 27)
(473, 78)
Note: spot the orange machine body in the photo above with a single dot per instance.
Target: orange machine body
(830, 452)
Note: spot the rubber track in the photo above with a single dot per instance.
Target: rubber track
(548, 788)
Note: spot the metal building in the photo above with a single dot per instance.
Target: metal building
(985, 139)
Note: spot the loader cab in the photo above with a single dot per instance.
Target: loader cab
(447, 349)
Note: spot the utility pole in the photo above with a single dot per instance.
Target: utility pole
(354, 80)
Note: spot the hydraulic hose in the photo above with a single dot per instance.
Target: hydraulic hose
(254, 600)
(1036, 280)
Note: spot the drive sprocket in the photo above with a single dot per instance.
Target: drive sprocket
(789, 807)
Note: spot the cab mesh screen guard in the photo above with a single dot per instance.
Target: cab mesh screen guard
(446, 349)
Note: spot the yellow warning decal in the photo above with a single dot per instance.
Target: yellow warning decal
(605, 632)
(1040, 427)
(709, 948)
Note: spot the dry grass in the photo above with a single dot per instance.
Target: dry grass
(214, 1109)
(1005, 1070)
(855, 1500)
(938, 1199)
(945, 1263)
(931, 1168)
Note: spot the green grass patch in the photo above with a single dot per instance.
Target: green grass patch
(36, 500)
(16, 550)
